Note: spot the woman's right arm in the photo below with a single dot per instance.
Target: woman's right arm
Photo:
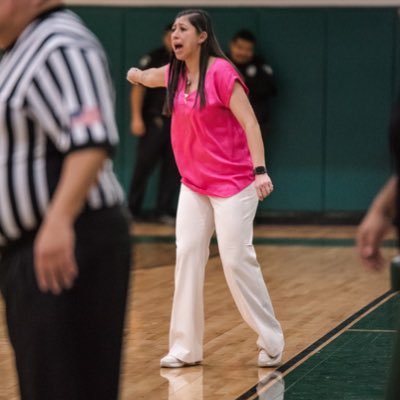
(152, 77)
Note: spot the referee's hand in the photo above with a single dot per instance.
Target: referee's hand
(55, 264)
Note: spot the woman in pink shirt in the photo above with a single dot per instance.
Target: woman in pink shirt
(220, 155)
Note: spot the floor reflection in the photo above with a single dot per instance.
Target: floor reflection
(271, 385)
(189, 384)
(184, 383)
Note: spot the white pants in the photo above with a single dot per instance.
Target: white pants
(232, 218)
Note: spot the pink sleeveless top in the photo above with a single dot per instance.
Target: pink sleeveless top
(210, 146)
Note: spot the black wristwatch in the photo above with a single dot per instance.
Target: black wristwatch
(260, 170)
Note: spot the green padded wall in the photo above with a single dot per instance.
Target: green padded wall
(359, 93)
(294, 41)
(337, 72)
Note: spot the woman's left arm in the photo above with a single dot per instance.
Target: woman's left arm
(242, 110)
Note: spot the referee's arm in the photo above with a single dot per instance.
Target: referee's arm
(55, 264)
(73, 96)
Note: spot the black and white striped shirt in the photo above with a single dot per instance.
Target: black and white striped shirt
(56, 97)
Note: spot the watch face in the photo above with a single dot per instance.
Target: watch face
(260, 170)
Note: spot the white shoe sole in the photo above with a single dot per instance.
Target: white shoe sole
(177, 364)
(273, 362)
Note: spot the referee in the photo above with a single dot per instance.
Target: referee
(64, 243)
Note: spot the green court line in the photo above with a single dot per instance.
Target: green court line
(312, 242)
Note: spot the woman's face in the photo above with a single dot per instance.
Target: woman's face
(186, 41)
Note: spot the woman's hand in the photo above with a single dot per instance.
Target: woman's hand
(133, 75)
(264, 186)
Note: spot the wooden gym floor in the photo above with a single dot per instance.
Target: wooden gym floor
(329, 307)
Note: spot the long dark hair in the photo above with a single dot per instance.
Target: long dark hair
(201, 20)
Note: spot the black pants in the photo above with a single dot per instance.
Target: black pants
(68, 347)
(155, 147)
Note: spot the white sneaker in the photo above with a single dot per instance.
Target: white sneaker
(172, 362)
(264, 360)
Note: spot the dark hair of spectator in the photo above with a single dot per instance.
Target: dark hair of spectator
(245, 35)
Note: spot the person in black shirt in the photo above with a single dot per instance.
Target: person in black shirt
(383, 213)
(64, 237)
(153, 129)
(257, 74)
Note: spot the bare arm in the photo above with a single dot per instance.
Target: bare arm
(137, 98)
(55, 264)
(376, 224)
(242, 110)
(152, 77)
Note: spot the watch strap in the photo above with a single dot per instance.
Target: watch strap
(260, 170)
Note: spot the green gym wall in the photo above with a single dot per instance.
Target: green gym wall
(337, 75)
